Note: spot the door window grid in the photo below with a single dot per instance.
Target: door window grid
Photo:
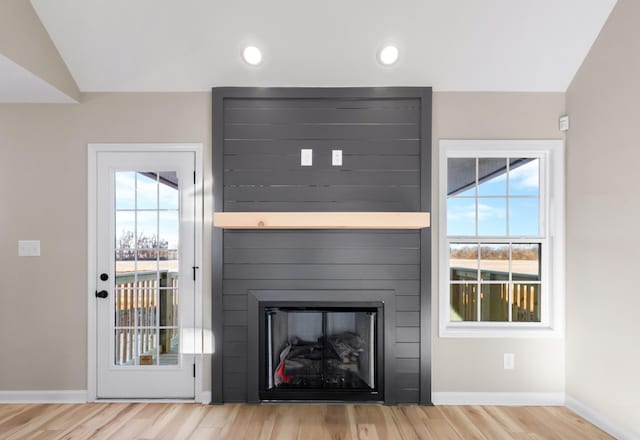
(147, 290)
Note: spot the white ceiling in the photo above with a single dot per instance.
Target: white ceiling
(18, 85)
(192, 45)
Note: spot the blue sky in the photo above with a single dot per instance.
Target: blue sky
(157, 207)
(523, 212)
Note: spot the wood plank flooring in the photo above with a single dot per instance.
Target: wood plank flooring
(307, 422)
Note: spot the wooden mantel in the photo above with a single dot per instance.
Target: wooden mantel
(321, 220)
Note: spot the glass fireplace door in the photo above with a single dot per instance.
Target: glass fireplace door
(312, 351)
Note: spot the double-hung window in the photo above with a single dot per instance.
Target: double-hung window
(501, 238)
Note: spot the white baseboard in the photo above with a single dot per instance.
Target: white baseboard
(205, 397)
(502, 399)
(602, 422)
(44, 396)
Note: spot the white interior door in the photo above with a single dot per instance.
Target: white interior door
(145, 263)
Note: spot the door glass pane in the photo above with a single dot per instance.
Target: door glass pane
(125, 190)
(147, 303)
(147, 228)
(125, 308)
(125, 241)
(169, 224)
(147, 345)
(169, 346)
(124, 344)
(146, 190)
(168, 198)
(168, 306)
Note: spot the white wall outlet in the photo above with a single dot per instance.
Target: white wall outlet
(509, 361)
(336, 158)
(306, 157)
(28, 248)
(564, 123)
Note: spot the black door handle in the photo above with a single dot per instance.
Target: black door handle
(102, 294)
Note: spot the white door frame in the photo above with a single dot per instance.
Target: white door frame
(93, 151)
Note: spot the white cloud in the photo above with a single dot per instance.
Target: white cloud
(487, 212)
(525, 176)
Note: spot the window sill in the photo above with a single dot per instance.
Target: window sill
(500, 331)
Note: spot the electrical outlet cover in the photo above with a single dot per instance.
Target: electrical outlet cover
(509, 361)
(28, 248)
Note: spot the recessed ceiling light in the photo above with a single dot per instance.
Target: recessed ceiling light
(252, 55)
(388, 55)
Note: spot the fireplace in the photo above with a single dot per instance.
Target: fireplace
(321, 351)
(311, 242)
(321, 345)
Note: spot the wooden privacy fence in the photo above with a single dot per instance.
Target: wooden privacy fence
(494, 298)
(146, 314)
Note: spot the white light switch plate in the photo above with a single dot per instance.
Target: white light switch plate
(28, 248)
(306, 157)
(336, 158)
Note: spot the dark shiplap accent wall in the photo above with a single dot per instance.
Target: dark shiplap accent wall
(321, 260)
(261, 140)
(379, 138)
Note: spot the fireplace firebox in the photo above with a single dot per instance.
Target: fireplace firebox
(321, 351)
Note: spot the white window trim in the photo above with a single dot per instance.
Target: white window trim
(552, 191)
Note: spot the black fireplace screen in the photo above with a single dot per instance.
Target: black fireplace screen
(321, 349)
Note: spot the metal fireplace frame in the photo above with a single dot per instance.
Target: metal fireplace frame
(322, 394)
(383, 300)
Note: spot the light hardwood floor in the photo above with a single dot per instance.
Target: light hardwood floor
(307, 422)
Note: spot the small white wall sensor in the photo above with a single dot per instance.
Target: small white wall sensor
(564, 123)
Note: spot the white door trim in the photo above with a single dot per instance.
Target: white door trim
(93, 150)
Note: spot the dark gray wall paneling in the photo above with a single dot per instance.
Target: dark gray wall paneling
(244, 274)
(258, 141)
(263, 139)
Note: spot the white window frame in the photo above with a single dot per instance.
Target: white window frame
(551, 154)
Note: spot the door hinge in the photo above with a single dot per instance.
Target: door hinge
(194, 370)
(194, 177)
(194, 271)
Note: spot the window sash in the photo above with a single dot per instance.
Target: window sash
(545, 294)
(543, 189)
